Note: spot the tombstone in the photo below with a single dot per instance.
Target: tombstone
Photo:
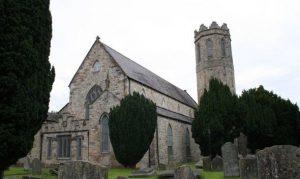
(206, 163)
(144, 172)
(171, 165)
(162, 166)
(279, 161)
(242, 144)
(248, 167)
(230, 160)
(197, 173)
(184, 172)
(166, 174)
(199, 164)
(217, 163)
(81, 170)
(36, 166)
(26, 163)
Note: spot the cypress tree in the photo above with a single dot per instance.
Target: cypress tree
(217, 118)
(269, 119)
(131, 128)
(26, 76)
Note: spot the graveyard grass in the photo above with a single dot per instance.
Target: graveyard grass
(113, 173)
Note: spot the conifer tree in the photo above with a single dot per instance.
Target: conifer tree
(131, 128)
(26, 76)
(217, 118)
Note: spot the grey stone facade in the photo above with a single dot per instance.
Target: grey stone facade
(78, 123)
(213, 57)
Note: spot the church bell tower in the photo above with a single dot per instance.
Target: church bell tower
(213, 56)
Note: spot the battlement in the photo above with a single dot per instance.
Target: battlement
(213, 28)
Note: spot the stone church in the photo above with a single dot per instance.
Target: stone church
(79, 131)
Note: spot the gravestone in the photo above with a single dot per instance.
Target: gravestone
(242, 144)
(166, 174)
(248, 167)
(206, 163)
(230, 160)
(26, 163)
(217, 163)
(81, 170)
(197, 173)
(144, 172)
(36, 166)
(279, 161)
(199, 164)
(184, 172)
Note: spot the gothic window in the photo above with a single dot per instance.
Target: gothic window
(187, 143)
(163, 102)
(170, 142)
(49, 148)
(104, 133)
(79, 148)
(209, 47)
(96, 66)
(223, 47)
(178, 108)
(91, 97)
(63, 146)
(143, 92)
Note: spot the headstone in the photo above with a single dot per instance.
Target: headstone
(171, 165)
(144, 172)
(166, 174)
(81, 170)
(248, 167)
(206, 163)
(26, 163)
(184, 172)
(217, 163)
(36, 166)
(162, 166)
(197, 173)
(242, 144)
(199, 164)
(230, 160)
(279, 161)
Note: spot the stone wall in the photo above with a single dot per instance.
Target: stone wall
(179, 149)
(162, 100)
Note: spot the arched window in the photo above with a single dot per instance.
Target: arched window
(91, 97)
(198, 53)
(209, 47)
(96, 66)
(187, 143)
(104, 133)
(163, 102)
(223, 47)
(170, 142)
(178, 108)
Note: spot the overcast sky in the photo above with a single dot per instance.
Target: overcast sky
(158, 34)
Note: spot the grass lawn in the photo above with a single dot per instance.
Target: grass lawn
(112, 173)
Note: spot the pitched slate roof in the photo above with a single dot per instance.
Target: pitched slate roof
(148, 78)
(173, 115)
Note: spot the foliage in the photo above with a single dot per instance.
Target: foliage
(132, 125)
(269, 119)
(26, 76)
(217, 118)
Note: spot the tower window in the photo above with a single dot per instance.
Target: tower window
(104, 134)
(96, 66)
(209, 47)
(198, 54)
(223, 47)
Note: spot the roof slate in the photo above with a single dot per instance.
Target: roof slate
(173, 115)
(142, 75)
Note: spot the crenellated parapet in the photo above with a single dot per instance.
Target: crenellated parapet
(214, 28)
